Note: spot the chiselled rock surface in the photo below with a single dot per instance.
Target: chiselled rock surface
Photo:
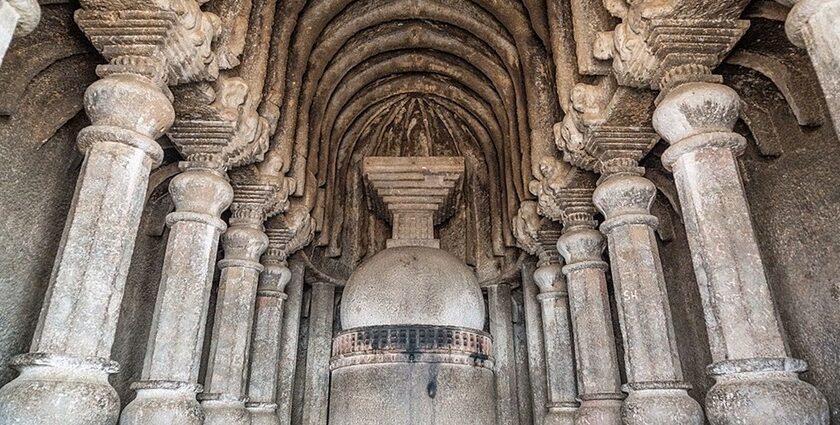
(751, 368)
(416, 155)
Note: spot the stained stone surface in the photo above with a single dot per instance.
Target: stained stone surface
(475, 79)
(413, 285)
(433, 394)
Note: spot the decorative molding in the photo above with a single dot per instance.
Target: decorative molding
(217, 126)
(168, 41)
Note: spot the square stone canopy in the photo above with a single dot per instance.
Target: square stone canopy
(414, 194)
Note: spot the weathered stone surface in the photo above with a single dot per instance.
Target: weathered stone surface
(597, 363)
(341, 81)
(376, 293)
(656, 394)
(751, 371)
(79, 316)
(812, 24)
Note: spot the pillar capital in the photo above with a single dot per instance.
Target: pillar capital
(168, 42)
(625, 195)
(286, 233)
(654, 38)
(217, 125)
(200, 196)
(111, 104)
(582, 246)
(549, 278)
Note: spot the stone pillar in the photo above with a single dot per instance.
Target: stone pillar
(64, 379)
(207, 133)
(812, 24)
(289, 345)
(536, 348)
(167, 391)
(599, 379)
(318, 351)
(501, 328)
(265, 348)
(243, 244)
(559, 351)
(285, 235)
(657, 394)
(756, 383)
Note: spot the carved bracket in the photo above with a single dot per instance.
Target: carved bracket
(168, 41)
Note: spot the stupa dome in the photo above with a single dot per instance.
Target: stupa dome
(413, 285)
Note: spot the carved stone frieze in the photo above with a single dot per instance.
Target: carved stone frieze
(217, 126)
(257, 196)
(536, 235)
(168, 41)
(288, 233)
(608, 131)
(657, 37)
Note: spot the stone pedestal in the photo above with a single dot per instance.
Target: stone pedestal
(755, 381)
(169, 383)
(410, 375)
(559, 353)
(64, 379)
(656, 392)
(599, 380)
(812, 24)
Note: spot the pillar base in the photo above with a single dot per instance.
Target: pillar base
(600, 409)
(163, 402)
(221, 411)
(764, 391)
(561, 414)
(263, 413)
(660, 403)
(60, 389)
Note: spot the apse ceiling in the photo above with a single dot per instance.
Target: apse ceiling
(476, 79)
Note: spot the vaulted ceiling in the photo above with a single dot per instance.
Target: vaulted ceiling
(413, 78)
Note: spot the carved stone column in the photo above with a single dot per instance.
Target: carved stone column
(64, 379)
(17, 19)
(289, 344)
(285, 236)
(166, 393)
(559, 352)
(599, 379)
(255, 197)
(812, 24)
(539, 236)
(756, 383)
(209, 133)
(657, 394)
